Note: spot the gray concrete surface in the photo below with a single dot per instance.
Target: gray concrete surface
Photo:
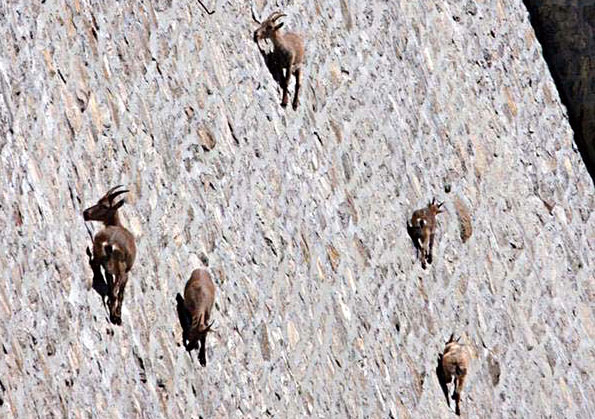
(322, 309)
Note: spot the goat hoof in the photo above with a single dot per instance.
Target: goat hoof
(284, 104)
(295, 105)
(430, 259)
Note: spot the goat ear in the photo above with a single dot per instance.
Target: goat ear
(279, 26)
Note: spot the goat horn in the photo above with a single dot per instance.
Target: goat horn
(254, 14)
(113, 189)
(208, 328)
(275, 15)
(115, 194)
(452, 338)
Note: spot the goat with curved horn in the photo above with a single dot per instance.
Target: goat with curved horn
(114, 249)
(455, 365)
(289, 51)
(199, 296)
(422, 230)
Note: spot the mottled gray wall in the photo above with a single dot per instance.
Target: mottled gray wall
(322, 307)
(566, 29)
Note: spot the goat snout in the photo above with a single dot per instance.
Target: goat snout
(86, 215)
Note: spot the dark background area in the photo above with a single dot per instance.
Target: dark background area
(566, 30)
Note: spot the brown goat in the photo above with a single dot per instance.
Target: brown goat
(113, 248)
(422, 230)
(288, 52)
(199, 296)
(455, 364)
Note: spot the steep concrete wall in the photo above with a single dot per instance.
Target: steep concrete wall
(322, 307)
(566, 29)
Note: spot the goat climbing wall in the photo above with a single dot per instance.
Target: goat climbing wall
(322, 308)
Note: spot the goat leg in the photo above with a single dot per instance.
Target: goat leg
(93, 263)
(202, 356)
(298, 83)
(123, 279)
(457, 404)
(456, 396)
(423, 255)
(431, 246)
(109, 279)
(287, 78)
(459, 382)
(99, 283)
(112, 298)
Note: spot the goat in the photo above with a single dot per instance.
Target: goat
(455, 364)
(288, 52)
(422, 230)
(113, 248)
(199, 295)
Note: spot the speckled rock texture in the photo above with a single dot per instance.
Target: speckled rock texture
(322, 306)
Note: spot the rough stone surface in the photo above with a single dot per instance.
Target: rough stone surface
(322, 306)
(464, 217)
